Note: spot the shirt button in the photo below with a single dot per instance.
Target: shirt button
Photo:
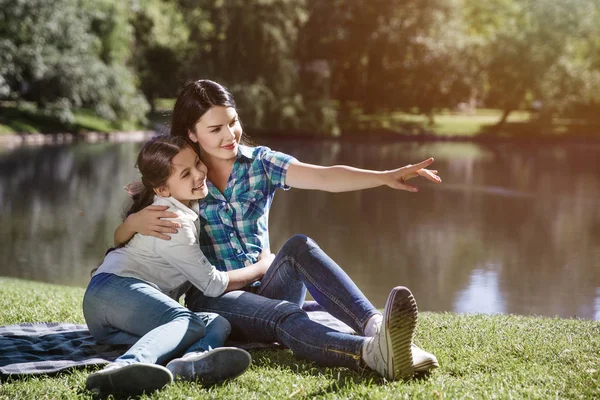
(239, 251)
(231, 234)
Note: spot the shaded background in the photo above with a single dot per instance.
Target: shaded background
(318, 67)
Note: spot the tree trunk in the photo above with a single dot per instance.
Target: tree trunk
(502, 121)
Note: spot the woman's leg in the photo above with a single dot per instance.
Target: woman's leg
(301, 265)
(257, 318)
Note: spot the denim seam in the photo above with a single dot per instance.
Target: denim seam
(272, 324)
(356, 357)
(326, 293)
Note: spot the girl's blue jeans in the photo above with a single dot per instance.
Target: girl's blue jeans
(273, 312)
(120, 310)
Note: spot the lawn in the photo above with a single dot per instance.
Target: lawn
(481, 124)
(481, 356)
(24, 118)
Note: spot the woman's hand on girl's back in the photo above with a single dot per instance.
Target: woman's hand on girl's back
(150, 221)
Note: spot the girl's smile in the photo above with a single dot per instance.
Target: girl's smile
(187, 181)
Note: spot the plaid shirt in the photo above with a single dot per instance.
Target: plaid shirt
(234, 226)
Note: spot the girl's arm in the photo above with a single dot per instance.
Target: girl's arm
(148, 221)
(183, 253)
(342, 178)
(238, 278)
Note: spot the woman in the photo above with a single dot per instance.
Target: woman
(234, 234)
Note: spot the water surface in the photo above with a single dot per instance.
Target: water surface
(513, 229)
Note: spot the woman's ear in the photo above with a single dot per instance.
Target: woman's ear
(162, 191)
(192, 136)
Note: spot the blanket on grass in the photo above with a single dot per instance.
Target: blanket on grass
(47, 348)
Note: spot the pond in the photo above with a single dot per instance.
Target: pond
(512, 229)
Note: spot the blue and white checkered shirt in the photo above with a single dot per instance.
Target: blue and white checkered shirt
(234, 226)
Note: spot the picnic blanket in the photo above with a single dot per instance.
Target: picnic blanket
(47, 348)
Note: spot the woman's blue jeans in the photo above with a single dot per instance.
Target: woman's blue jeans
(273, 312)
(120, 310)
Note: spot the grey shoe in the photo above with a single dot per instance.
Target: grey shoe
(389, 352)
(129, 378)
(211, 366)
(422, 360)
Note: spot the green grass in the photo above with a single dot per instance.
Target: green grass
(26, 118)
(480, 124)
(480, 356)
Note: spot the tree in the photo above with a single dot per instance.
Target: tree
(160, 52)
(390, 54)
(249, 46)
(536, 50)
(68, 53)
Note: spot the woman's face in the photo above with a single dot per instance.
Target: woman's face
(218, 132)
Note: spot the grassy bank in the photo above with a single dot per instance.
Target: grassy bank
(25, 118)
(478, 125)
(481, 124)
(480, 357)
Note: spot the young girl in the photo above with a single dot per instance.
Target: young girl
(234, 234)
(132, 297)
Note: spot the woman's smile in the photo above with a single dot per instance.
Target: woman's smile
(230, 146)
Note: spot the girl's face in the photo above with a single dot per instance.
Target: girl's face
(188, 178)
(218, 132)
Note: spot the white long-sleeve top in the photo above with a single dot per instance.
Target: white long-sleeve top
(168, 264)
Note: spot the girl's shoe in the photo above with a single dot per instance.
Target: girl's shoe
(211, 366)
(129, 378)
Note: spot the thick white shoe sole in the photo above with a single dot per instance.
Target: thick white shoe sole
(400, 316)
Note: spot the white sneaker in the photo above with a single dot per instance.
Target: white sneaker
(422, 360)
(389, 352)
(211, 366)
(129, 378)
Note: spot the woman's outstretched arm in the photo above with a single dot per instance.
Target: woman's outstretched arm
(342, 178)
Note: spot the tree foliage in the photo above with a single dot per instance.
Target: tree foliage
(302, 64)
(68, 53)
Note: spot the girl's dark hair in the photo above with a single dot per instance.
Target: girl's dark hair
(194, 100)
(154, 163)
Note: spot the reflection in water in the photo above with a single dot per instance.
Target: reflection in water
(482, 295)
(512, 230)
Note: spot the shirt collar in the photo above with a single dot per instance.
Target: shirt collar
(245, 152)
(190, 212)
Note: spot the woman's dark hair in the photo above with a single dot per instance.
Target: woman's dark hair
(194, 100)
(154, 163)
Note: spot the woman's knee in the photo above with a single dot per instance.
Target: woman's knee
(298, 244)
